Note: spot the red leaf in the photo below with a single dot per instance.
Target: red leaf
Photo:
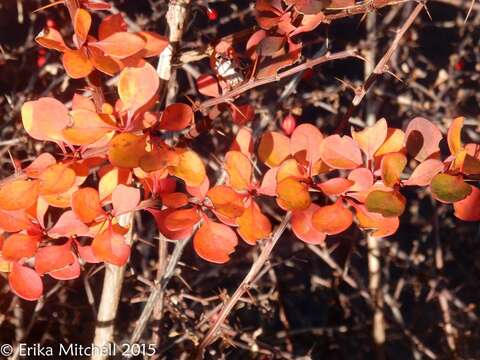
(160, 216)
(253, 225)
(125, 199)
(110, 246)
(53, 257)
(25, 282)
(468, 209)
(81, 25)
(18, 246)
(176, 117)
(305, 143)
(214, 242)
(68, 225)
(110, 25)
(302, 226)
(332, 219)
(423, 174)
(336, 186)
(69, 272)
(340, 152)
(86, 204)
(179, 220)
(120, 44)
(422, 138)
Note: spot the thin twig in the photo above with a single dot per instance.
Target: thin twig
(244, 286)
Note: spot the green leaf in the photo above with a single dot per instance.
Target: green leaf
(449, 188)
(387, 203)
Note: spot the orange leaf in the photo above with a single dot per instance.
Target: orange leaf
(176, 117)
(214, 242)
(120, 44)
(293, 195)
(45, 119)
(159, 159)
(102, 62)
(179, 220)
(25, 282)
(81, 25)
(387, 203)
(274, 148)
(332, 219)
(137, 86)
(110, 246)
(393, 143)
(56, 179)
(126, 149)
(125, 199)
(422, 138)
(18, 246)
(51, 39)
(190, 167)
(68, 225)
(199, 191)
(226, 201)
(160, 218)
(39, 165)
(76, 63)
(392, 167)
(423, 174)
(155, 43)
(110, 178)
(239, 170)
(87, 127)
(340, 152)
(371, 138)
(253, 225)
(449, 188)
(62, 200)
(86, 204)
(14, 221)
(208, 85)
(69, 272)
(53, 257)
(454, 136)
(302, 226)
(468, 209)
(18, 194)
(290, 168)
(174, 200)
(243, 141)
(383, 226)
(242, 114)
(110, 25)
(336, 186)
(305, 143)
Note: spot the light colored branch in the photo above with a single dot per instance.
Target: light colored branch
(244, 286)
(111, 291)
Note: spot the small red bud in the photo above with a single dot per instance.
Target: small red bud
(51, 23)
(460, 65)
(212, 14)
(289, 124)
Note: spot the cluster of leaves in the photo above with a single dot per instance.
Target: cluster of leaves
(115, 159)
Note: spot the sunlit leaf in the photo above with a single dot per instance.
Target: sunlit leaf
(120, 44)
(56, 179)
(160, 218)
(243, 141)
(126, 149)
(293, 195)
(76, 63)
(25, 282)
(110, 246)
(190, 167)
(340, 152)
(174, 200)
(387, 203)
(449, 188)
(381, 226)
(51, 39)
(454, 135)
(393, 143)
(302, 226)
(87, 127)
(179, 220)
(274, 148)
(305, 143)
(125, 199)
(468, 209)
(110, 25)
(155, 43)
(336, 186)
(18, 246)
(81, 25)
(69, 272)
(226, 201)
(53, 257)
(371, 138)
(176, 117)
(422, 138)
(423, 174)
(13, 221)
(392, 167)
(18, 194)
(332, 219)
(138, 86)
(68, 225)
(215, 242)
(45, 119)
(159, 159)
(253, 225)
(239, 170)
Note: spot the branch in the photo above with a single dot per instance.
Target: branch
(157, 291)
(380, 68)
(231, 95)
(244, 286)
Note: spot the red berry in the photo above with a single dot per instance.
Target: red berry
(459, 65)
(41, 60)
(212, 14)
(289, 124)
(51, 23)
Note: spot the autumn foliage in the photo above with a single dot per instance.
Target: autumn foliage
(117, 158)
